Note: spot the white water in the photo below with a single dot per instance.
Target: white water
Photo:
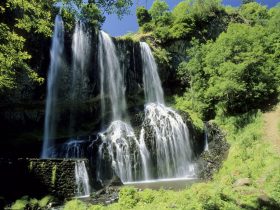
(73, 149)
(172, 146)
(151, 80)
(118, 139)
(145, 156)
(52, 86)
(206, 147)
(82, 179)
(172, 140)
(81, 56)
(111, 78)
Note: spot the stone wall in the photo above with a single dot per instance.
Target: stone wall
(37, 178)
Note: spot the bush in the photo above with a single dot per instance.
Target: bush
(129, 197)
(75, 205)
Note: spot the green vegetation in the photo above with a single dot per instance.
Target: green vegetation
(32, 203)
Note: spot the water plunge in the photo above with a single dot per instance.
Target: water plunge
(52, 87)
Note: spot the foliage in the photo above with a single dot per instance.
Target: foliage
(254, 13)
(143, 16)
(247, 1)
(128, 197)
(235, 73)
(31, 203)
(45, 201)
(36, 16)
(13, 58)
(20, 204)
(75, 204)
(158, 10)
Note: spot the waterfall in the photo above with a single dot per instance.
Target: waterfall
(82, 179)
(111, 78)
(119, 140)
(152, 84)
(206, 147)
(73, 149)
(52, 86)
(81, 55)
(171, 146)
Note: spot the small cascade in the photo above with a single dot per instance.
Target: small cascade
(206, 147)
(119, 141)
(52, 86)
(73, 149)
(111, 79)
(145, 157)
(82, 179)
(151, 80)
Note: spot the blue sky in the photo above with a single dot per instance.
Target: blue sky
(128, 23)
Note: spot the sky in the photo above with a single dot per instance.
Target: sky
(116, 27)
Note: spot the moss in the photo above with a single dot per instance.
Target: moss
(54, 168)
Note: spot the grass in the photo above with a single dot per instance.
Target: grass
(249, 157)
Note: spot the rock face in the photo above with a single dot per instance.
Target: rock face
(210, 161)
(37, 178)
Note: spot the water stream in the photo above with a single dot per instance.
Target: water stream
(52, 87)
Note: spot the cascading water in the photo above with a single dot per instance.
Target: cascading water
(82, 179)
(73, 149)
(171, 143)
(152, 84)
(81, 56)
(171, 147)
(119, 139)
(52, 89)
(111, 78)
(206, 147)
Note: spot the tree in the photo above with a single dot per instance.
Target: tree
(237, 72)
(247, 1)
(158, 9)
(254, 13)
(143, 16)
